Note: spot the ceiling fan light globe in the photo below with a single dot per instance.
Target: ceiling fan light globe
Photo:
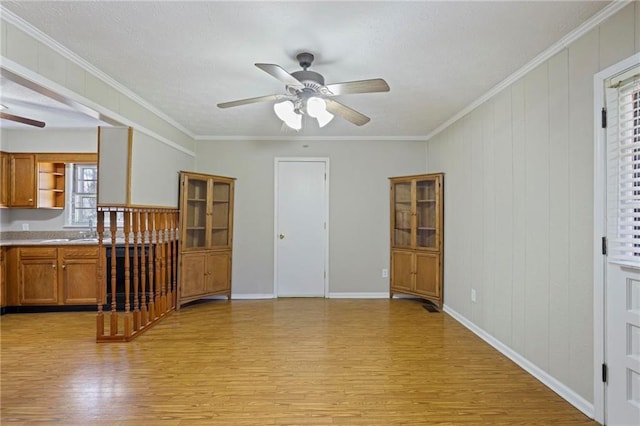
(284, 110)
(324, 119)
(287, 113)
(294, 121)
(316, 106)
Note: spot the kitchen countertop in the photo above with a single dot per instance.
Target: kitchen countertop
(52, 242)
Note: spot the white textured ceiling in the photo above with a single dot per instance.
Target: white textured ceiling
(185, 57)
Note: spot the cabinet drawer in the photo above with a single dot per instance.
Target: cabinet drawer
(84, 252)
(37, 252)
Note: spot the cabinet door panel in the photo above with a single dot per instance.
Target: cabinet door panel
(38, 282)
(220, 219)
(79, 281)
(194, 214)
(426, 213)
(5, 168)
(401, 270)
(23, 180)
(3, 288)
(219, 272)
(402, 214)
(428, 274)
(192, 275)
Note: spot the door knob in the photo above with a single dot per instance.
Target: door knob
(282, 236)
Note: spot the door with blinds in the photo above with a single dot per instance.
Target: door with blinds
(622, 282)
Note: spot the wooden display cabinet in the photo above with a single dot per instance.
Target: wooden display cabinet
(206, 230)
(417, 210)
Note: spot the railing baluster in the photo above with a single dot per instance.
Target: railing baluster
(136, 271)
(101, 285)
(127, 274)
(143, 269)
(152, 266)
(163, 260)
(113, 226)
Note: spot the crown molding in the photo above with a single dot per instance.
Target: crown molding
(21, 24)
(608, 11)
(310, 138)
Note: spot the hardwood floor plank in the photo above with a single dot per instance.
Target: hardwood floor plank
(268, 362)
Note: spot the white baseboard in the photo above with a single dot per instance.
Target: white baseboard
(383, 295)
(558, 387)
(245, 296)
(251, 296)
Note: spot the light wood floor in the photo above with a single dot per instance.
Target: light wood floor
(283, 362)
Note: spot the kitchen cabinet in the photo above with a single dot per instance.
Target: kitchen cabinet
(22, 180)
(78, 270)
(51, 184)
(206, 230)
(417, 236)
(5, 168)
(36, 180)
(3, 282)
(63, 275)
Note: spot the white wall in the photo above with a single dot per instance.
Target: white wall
(155, 171)
(359, 206)
(42, 140)
(519, 206)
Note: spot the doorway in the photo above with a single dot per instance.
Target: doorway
(301, 227)
(617, 261)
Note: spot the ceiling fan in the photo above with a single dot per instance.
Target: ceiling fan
(306, 94)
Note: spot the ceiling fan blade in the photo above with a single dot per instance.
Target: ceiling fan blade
(347, 113)
(23, 120)
(278, 72)
(361, 86)
(253, 100)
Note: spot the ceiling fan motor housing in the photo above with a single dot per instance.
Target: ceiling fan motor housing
(311, 79)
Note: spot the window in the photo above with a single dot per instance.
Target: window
(623, 135)
(82, 199)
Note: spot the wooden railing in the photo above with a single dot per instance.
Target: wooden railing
(138, 270)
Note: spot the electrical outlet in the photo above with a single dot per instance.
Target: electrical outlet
(385, 273)
(25, 226)
(473, 294)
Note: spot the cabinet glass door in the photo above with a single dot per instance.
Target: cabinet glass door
(402, 214)
(196, 213)
(220, 212)
(426, 217)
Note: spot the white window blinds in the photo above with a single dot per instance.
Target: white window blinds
(623, 175)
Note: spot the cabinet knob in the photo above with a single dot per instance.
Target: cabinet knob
(53, 266)
(64, 266)
(282, 236)
(31, 200)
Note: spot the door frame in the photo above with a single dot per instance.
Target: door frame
(600, 230)
(277, 161)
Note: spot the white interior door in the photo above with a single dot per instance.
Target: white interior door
(301, 222)
(622, 291)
